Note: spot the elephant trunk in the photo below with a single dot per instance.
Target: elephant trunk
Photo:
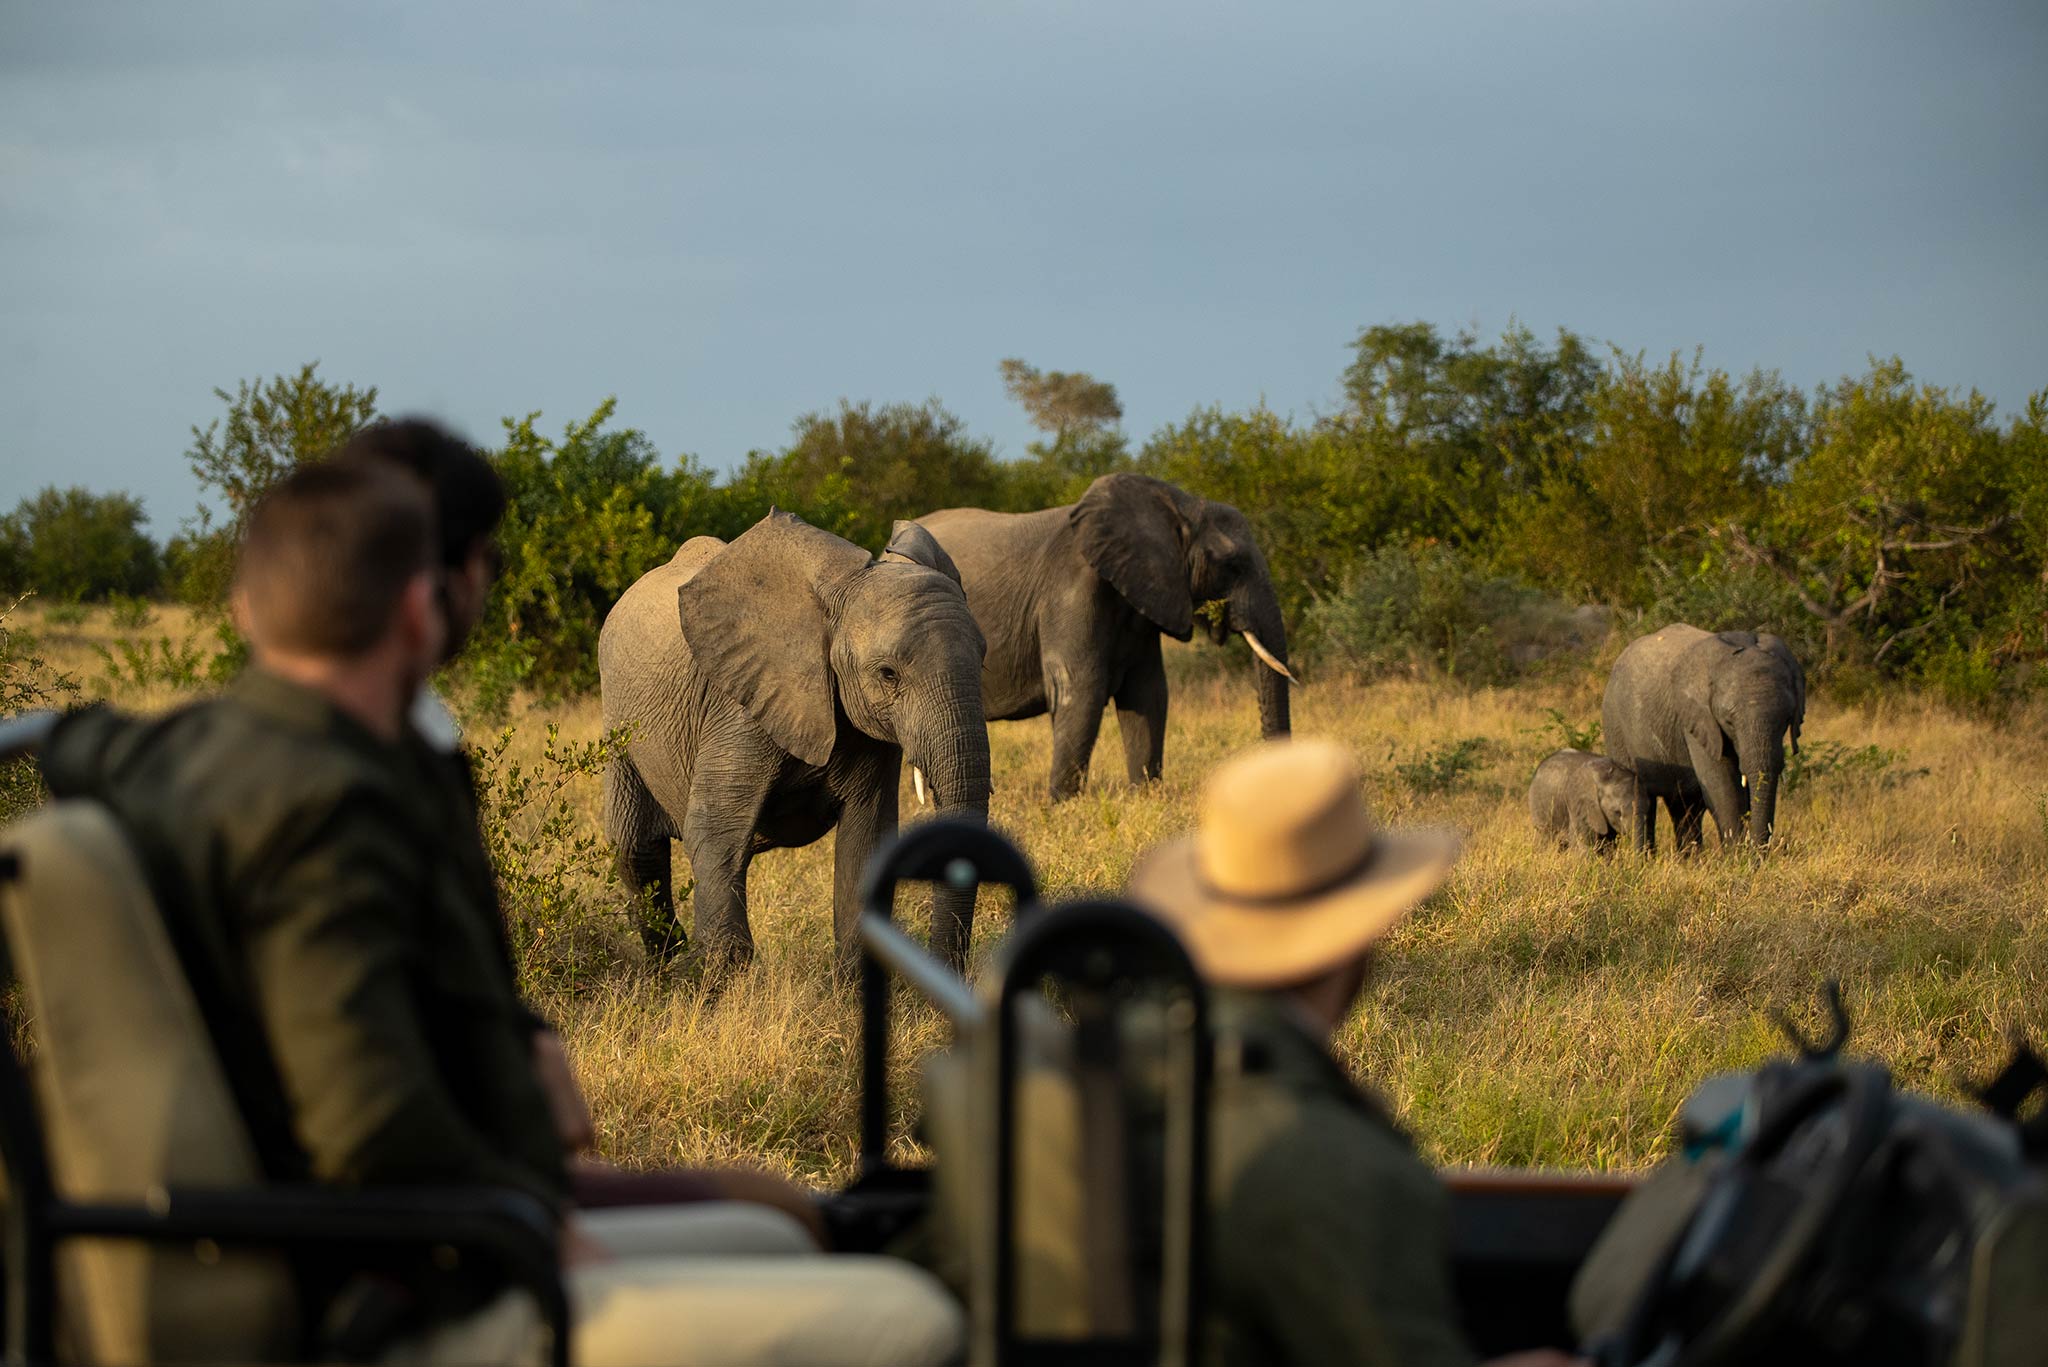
(1254, 610)
(1762, 755)
(953, 756)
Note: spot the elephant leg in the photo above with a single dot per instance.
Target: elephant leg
(866, 820)
(1141, 715)
(1076, 717)
(1720, 777)
(1688, 823)
(1645, 814)
(718, 836)
(639, 831)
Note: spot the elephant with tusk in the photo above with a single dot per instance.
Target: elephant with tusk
(1073, 600)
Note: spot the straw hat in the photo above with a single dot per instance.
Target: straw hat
(1285, 877)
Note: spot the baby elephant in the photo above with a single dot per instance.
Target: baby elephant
(1582, 799)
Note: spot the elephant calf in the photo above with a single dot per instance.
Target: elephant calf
(1581, 799)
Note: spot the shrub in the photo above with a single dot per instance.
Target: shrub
(146, 663)
(1445, 768)
(130, 614)
(560, 897)
(1431, 610)
(1872, 765)
(1573, 737)
(1714, 595)
(26, 681)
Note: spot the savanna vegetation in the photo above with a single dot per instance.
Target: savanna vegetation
(1548, 1008)
(1463, 543)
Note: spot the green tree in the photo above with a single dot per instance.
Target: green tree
(1079, 414)
(1669, 452)
(586, 516)
(856, 471)
(271, 427)
(1298, 486)
(1446, 430)
(1896, 529)
(74, 545)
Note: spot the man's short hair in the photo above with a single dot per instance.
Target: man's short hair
(327, 555)
(469, 498)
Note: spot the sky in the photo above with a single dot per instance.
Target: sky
(728, 215)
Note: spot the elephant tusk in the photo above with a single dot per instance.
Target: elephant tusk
(917, 783)
(1272, 661)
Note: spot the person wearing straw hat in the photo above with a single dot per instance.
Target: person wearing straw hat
(1328, 1234)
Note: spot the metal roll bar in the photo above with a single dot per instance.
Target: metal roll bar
(960, 854)
(1101, 955)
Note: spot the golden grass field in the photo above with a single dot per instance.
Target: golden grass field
(1547, 1008)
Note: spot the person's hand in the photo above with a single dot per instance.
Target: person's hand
(766, 1189)
(566, 1105)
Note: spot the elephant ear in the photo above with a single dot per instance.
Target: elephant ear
(913, 545)
(1584, 806)
(1695, 706)
(1134, 535)
(758, 619)
(1778, 646)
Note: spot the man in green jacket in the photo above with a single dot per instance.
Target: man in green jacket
(333, 906)
(329, 899)
(1328, 1236)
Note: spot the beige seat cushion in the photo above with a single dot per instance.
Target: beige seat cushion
(132, 1098)
(817, 1311)
(725, 1229)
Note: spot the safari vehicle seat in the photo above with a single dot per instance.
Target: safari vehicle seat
(132, 1169)
(129, 1152)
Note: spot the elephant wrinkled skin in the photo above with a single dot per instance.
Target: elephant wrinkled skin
(1073, 600)
(773, 688)
(1702, 719)
(1581, 799)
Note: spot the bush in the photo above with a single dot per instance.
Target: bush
(1432, 611)
(1571, 736)
(147, 663)
(588, 515)
(1872, 765)
(76, 546)
(1445, 768)
(130, 614)
(563, 910)
(26, 682)
(1714, 595)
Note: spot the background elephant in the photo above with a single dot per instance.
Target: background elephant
(773, 687)
(1582, 799)
(1073, 599)
(1702, 719)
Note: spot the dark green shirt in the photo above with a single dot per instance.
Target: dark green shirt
(1329, 1236)
(337, 887)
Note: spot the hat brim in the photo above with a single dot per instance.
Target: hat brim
(1268, 944)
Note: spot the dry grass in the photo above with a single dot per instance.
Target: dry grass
(1547, 1008)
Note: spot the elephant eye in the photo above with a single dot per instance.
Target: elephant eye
(887, 674)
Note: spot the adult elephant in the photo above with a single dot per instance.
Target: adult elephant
(1702, 720)
(773, 688)
(1073, 601)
